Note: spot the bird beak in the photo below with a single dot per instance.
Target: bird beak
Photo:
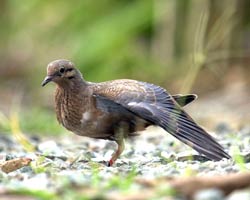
(47, 80)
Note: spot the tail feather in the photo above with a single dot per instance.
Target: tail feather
(208, 147)
(193, 129)
(183, 100)
(181, 126)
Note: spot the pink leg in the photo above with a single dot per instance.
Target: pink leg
(117, 153)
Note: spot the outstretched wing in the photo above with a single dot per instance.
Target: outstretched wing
(155, 105)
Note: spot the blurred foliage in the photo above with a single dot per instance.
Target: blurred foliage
(180, 44)
(18, 134)
(33, 121)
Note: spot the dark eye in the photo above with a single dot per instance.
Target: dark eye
(61, 70)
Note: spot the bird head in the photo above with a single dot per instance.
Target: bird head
(61, 72)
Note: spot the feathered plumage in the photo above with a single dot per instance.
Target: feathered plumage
(118, 109)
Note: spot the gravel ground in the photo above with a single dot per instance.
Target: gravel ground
(79, 161)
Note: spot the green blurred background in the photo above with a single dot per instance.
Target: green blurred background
(200, 46)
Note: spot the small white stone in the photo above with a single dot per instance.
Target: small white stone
(240, 194)
(50, 147)
(208, 194)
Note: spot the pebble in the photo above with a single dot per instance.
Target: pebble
(150, 157)
(37, 182)
(209, 194)
(239, 195)
(50, 147)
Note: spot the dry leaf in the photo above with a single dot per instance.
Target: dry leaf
(14, 164)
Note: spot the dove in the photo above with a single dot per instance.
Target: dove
(117, 109)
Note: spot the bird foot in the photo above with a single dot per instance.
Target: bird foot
(106, 163)
(110, 163)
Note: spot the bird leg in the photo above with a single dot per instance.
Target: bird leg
(119, 139)
(117, 153)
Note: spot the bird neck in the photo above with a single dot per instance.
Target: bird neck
(68, 98)
(77, 83)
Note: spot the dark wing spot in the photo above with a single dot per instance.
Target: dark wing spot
(69, 69)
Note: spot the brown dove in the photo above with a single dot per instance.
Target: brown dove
(117, 109)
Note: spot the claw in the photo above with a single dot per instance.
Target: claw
(110, 163)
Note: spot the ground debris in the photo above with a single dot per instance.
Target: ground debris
(189, 186)
(14, 164)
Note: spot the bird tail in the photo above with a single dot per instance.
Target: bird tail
(183, 100)
(183, 127)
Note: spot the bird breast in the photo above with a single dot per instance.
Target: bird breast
(79, 114)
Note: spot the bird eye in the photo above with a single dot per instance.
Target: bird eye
(62, 70)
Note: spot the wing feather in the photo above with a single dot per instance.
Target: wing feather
(154, 104)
